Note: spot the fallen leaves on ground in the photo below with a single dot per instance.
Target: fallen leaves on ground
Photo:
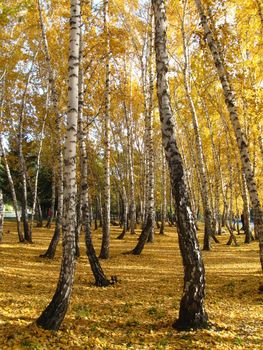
(138, 312)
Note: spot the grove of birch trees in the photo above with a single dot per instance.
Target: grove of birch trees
(137, 114)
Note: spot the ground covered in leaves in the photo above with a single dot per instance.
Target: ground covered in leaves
(136, 313)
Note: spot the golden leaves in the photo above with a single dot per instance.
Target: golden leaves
(137, 313)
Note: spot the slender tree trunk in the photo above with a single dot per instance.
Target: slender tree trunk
(192, 312)
(53, 199)
(100, 209)
(105, 244)
(198, 143)
(96, 214)
(50, 253)
(13, 191)
(35, 196)
(78, 216)
(246, 214)
(164, 199)
(22, 166)
(147, 233)
(231, 104)
(100, 278)
(217, 171)
(125, 213)
(149, 131)
(129, 126)
(53, 315)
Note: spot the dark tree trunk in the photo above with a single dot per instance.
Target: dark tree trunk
(51, 251)
(143, 237)
(100, 278)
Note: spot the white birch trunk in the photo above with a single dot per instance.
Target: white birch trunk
(149, 139)
(105, 244)
(54, 314)
(164, 194)
(129, 125)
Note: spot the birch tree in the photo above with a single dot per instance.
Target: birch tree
(53, 315)
(105, 244)
(192, 312)
(164, 196)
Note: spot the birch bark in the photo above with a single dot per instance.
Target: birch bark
(192, 312)
(129, 125)
(53, 315)
(164, 195)
(105, 244)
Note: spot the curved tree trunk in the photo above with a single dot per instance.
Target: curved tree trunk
(53, 315)
(192, 312)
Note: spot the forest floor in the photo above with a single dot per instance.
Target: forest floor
(138, 312)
